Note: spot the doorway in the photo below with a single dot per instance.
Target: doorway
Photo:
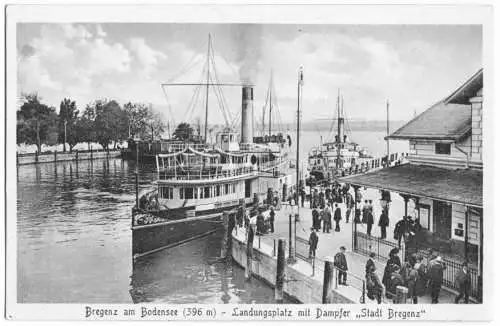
(442, 219)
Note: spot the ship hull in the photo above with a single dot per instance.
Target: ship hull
(147, 239)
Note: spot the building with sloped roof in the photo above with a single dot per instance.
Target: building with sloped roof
(444, 179)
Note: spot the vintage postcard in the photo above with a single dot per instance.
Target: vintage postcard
(249, 162)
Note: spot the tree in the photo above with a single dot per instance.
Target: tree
(68, 115)
(111, 123)
(36, 122)
(154, 125)
(85, 125)
(184, 131)
(136, 115)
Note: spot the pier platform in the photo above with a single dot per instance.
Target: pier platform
(328, 246)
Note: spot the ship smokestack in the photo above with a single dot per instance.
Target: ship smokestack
(247, 114)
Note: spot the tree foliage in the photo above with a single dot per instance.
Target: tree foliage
(68, 116)
(136, 114)
(111, 124)
(103, 121)
(153, 125)
(184, 132)
(36, 122)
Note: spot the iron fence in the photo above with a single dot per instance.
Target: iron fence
(366, 244)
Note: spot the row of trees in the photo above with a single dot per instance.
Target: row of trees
(102, 121)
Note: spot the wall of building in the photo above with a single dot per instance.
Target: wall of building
(477, 126)
(423, 152)
(458, 217)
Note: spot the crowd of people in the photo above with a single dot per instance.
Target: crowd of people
(419, 275)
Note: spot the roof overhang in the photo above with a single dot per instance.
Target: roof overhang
(461, 186)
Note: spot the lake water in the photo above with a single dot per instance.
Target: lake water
(74, 239)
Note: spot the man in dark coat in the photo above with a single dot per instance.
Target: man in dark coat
(364, 212)
(383, 222)
(436, 269)
(370, 263)
(271, 219)
(463, 281)
(313, 243)
(337, 216)
(349, 203)
(395, 280)
(374, 287)
(389, 267)
(340, 262)
(369, 219)
(261, 224)
(316, 221)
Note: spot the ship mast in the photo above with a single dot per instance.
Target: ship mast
(208, 86)
(338, 130)
(270, 100)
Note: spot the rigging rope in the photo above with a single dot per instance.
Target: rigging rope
(218, 89)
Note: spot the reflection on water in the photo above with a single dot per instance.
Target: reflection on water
(74, 244)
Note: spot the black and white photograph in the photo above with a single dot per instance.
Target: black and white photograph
(249, 163)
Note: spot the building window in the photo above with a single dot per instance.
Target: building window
(442, 148)
(181, 193)
(217, 191)
(188, 193)
(207, 192)
(166, 192)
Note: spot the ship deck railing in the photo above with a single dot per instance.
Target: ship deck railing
(213, 171)
(204, 174)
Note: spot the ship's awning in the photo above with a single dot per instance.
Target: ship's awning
(462, 186)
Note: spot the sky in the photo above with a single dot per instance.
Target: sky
(411, 66)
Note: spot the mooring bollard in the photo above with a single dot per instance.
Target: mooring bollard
(327, 279)
(225, 223)
(248, 269)
(280, 271)
(401, 294)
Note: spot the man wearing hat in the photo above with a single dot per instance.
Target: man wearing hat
(463, 282)
(313, 243)
(436, 268)
(341, 263)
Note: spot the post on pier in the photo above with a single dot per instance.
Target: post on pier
(355, 219)
(250, 237)
(466, 232)
(226, 236)
(280, 271)
(291, 242)
(55, 155)
(328, 279)
(406, 198)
